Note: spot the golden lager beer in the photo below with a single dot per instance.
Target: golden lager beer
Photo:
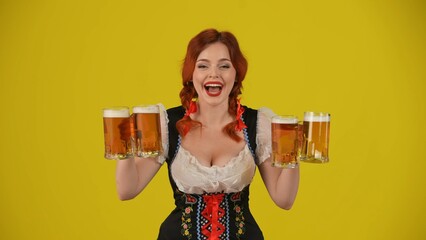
(284, 131)
(316, 135)
(147, 130)
(117, 133)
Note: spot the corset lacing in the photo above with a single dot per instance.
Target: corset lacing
(212, 212)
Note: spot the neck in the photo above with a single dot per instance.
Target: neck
(213, 115)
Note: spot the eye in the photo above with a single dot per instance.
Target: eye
(225, 66)
(202, 66)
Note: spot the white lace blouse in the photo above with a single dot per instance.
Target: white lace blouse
(192, 177)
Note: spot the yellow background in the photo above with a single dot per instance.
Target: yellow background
(61, 62)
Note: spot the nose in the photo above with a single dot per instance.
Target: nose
(213, 74)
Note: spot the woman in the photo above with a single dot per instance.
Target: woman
(212, 147)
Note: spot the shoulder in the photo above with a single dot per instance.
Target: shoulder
(250, 116)
(177, 109)
(264, 117)
(249, 112)
(249, 109)
(266, 112)
(175, 113)
(263, 112)
(264, 144)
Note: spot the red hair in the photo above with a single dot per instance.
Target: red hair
(197, 44)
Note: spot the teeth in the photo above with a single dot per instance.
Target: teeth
(213, 85)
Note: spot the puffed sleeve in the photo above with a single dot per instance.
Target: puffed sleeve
(263, 134)
(164, 133)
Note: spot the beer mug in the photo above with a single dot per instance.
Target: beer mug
(316, 135)
(117, 133)
(284, 131)
(147, 130)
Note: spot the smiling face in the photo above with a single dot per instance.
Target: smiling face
(214, 75)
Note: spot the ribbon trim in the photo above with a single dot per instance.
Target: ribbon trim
(240, 124)
(192, 108)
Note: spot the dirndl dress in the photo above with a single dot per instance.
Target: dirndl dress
(214, 209)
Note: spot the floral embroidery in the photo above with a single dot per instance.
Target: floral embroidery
(208, 215)
(239, 217)
(186, 222)
(239, 220)
(186, 216)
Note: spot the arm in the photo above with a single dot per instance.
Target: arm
(282, 184)
(133, 175)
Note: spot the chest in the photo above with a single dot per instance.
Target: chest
(212, 148)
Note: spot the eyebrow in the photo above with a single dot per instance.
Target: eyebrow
(220, 60)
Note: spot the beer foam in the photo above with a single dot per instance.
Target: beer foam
(146, 109)
(316, 117)
(116, 113)
(284, 120)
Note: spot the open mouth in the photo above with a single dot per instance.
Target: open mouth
(213, 88)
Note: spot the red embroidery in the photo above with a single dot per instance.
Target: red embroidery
(236, 197)
(212, 213)
(190, 199)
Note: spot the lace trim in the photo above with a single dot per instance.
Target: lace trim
(263, 134)
(164, 120)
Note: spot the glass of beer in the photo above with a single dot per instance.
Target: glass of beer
(284, 131)
(147, 130)
(117, 133)
(316, 135)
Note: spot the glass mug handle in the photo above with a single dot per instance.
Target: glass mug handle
(133, 133)
(300, 138)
